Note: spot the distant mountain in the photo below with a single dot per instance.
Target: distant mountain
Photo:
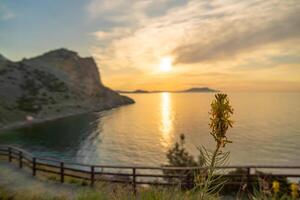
(135, 91)
(195, 90)
(54, 84)
(201, 89)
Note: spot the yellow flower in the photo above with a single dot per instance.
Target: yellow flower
(199, 179)
(294, 190)
(276, 186)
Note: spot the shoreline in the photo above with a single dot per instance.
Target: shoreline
(23, 124)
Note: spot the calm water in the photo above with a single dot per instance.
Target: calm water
(266, 130)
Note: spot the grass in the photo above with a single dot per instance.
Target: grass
(107, 192)
(28, 195)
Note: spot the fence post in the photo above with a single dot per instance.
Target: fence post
(190, 181)
(20, 159)
(134, 180)
(33, 166)
(92, 175)
(9, 154)
(248, 176)
(62, 172)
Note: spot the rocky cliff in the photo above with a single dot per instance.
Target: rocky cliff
(55, 84)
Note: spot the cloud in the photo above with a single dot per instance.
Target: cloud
(203, 31)
(286, 59)
(130, 11)
(207, 74)
(203, 37)
(112, 34)
(5, 13)
(228, 43)
(118, 11)
(97, 7)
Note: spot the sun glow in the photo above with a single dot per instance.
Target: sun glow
(166, 118)
(166, 64)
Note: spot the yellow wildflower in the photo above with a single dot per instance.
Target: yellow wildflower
(276, 186)
(294, 190)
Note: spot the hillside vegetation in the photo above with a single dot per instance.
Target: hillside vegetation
(57, 83)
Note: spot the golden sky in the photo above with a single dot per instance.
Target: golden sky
(231, 45)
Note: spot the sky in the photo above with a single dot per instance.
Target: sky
(231, 45)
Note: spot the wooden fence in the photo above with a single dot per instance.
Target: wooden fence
(137, 175)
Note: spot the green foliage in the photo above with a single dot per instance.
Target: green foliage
(178, 156)
(28, 195)
(3, 71)
(210, 180)
(262, 195)
(31, 86)
(262, 188)
(36, 86)
(84, 183)
(175, 193)
(5, 195)
(49, 81)
(28, 104)
(53, 178)
(34, 98)
(162, 194)
(92, 195)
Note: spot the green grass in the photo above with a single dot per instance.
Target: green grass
(28, 195)
(110, 191)
(105, 192)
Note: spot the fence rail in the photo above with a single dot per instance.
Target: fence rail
(135, 175)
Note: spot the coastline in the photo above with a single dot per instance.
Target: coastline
(21, 124)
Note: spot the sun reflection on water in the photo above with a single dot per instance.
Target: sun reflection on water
(166, 119)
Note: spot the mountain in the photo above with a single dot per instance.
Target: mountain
(195, 90)
(201, 89)
(55, 84)
(134, 91)
(3, 59)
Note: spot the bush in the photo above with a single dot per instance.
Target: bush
(28, 104)
(30, 86)
(178, 156)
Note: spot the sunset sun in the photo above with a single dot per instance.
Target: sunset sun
(166, 64)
